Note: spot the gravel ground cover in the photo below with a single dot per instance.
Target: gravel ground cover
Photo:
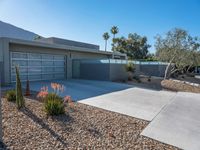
(84, 127)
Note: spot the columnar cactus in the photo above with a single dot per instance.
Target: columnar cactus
(19, 96)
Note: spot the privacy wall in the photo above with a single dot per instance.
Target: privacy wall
(111, 70)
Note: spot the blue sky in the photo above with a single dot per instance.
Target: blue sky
(87, 20)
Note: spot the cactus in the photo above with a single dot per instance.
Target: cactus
(19, 96)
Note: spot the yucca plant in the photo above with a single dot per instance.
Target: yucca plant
(19, 96)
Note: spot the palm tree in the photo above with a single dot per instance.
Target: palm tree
(114, 30)
(106, 36)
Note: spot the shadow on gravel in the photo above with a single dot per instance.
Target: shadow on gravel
(3, 146)
(45, 126)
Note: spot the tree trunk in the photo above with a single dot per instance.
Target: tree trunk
(113, 42)
(105, 45)
(187, 71)
(167, 69)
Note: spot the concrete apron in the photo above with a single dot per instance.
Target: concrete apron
(178, 124)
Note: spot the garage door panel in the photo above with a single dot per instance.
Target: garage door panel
(19, 55)
(19, 62)
(59, 69)
(35, 77)
(35, 56)
(34, 66)
(60, 58)
(48, 63)
(35, 70)
(23, 70)
(34, 63)
(47, 76)
(22, 77)
(59, 63)
(48, 69)
(47, 57)
(59, 76)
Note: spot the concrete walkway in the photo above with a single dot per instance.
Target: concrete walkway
(178, 123)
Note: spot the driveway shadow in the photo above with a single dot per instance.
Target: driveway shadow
(82, 89)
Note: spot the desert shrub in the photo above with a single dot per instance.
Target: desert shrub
(53, 105)
(130, 67)
(52, 96)
(137, 78)
(149, 79)
(11, 95)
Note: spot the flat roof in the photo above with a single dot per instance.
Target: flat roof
(56, 46)
(55, 40)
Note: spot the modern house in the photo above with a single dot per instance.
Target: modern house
(46, 58)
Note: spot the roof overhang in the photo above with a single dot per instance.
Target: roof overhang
(54, 46)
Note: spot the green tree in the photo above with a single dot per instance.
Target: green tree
(135, 46)
(179, 49)
(19, 96)
(106, 36)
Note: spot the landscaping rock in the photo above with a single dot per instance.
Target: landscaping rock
(85, 127)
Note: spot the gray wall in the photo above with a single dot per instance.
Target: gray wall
(1, 73)
(117, 72)
(96, 70)
(4, 61)
(152, 70)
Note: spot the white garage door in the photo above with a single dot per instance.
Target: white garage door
(35, 66)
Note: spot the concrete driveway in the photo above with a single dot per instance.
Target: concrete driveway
(122, 98)
(178, 123)
(136, 102)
